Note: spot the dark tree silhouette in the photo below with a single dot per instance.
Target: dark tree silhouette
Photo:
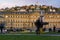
(39, 24)
(2, 26)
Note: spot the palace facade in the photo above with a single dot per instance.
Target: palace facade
(27, 19)
(19, 19)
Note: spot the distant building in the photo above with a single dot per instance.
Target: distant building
(22, 19)
(25, 19)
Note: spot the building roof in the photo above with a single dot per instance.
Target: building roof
(15, 12)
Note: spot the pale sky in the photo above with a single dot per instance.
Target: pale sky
(12, 3)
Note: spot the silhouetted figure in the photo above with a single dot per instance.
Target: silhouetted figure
(54, 29)
(50, 29)
(2, 26)
(11, 28)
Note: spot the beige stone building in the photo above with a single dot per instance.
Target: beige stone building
(27, 19)
(53, 19)
(19, 19)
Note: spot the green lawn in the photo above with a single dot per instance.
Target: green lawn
(33, 33)
(28, 37)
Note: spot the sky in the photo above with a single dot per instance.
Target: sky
(13, 3)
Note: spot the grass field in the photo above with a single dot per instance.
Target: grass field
(28, 37)
(33, 33)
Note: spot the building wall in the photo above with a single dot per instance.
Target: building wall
(28, 20)
(53, 19)
(20, 20)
